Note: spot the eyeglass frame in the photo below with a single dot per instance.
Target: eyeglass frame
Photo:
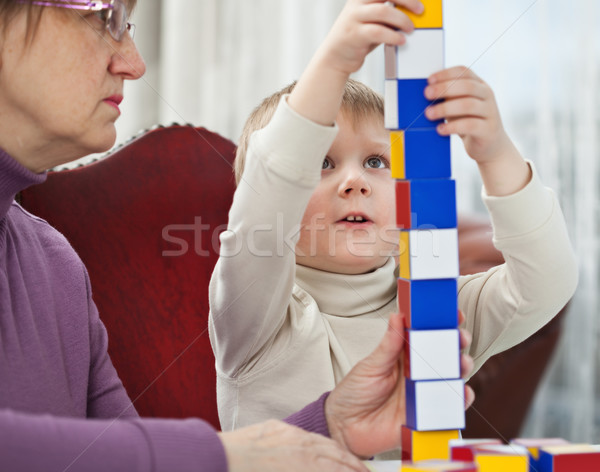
(91, 6)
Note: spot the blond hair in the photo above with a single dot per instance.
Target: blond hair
(359, 102)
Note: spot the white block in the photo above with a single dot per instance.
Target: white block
(434, 354)
(466, 442)
(433, 254)
(434, 405)
(419, 57)
(502, 449)
(390, 104)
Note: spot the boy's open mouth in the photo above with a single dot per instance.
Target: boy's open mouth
(355, 219)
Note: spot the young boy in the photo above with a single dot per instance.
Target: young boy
(306, 278)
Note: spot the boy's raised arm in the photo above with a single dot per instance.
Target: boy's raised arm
(509, 302)
(361, 26)
(253, 279)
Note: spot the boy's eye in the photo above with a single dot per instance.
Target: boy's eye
(375, 162)
(327, 164)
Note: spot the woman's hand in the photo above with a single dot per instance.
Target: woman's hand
(274, 446)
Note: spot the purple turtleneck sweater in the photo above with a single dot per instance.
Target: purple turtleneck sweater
(60, 395)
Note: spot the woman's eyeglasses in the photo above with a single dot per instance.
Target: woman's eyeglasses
(113, 13)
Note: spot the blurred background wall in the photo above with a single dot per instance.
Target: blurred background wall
(211, 61)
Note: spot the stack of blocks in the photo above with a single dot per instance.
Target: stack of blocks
(427, 283)
(426, 216)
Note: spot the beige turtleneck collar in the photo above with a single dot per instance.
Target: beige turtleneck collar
(347, 295)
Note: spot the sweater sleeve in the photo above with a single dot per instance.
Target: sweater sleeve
(107, 397)
(31, 443)
(312, 417)
(253, 279)
(510, 302)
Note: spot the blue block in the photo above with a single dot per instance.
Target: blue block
(429, 304)
(431, 204)
(405, 104)
(545, 463)
(426, 154)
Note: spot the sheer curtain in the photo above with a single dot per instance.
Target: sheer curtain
(211, 61)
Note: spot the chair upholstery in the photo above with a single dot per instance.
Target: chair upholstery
(145, 220)
(506, 384)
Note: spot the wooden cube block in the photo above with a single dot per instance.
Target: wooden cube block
(428, 254)
(405, 104)
(420, 153)
(501, 458)
(534, 445)
(426, 202)
(418, 58)
(438, 466)
(432, 354)
(432, 16)
(428, 304)
(435, 404)
(464, 449)
(424, 445)
(569, 458)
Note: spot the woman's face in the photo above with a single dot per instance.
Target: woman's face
(60, 93)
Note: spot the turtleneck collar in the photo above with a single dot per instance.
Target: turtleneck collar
(349, 295)
(14, 177)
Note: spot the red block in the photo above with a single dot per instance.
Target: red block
(464, 449)
(569, 458)
(403, 216)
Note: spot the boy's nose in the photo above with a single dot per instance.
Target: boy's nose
(354, 182)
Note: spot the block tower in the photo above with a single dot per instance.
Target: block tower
(426, 216)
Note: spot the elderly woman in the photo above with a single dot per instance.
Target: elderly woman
(62, 405)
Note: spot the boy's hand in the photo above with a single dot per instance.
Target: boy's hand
(361, 26)
(365, 410)
(470, 110)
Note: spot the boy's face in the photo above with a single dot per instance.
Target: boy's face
(349, 224)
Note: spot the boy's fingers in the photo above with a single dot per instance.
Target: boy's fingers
(384, 15)
(465, 87)
(463, 126)
(413, 5)
(379, 34)
(453, 73)
(461, 108)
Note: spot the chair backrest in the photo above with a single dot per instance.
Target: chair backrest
(145, 220)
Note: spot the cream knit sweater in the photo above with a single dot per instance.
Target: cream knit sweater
(283, 334)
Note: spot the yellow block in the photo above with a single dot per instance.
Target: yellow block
(430, 18)
(397, 155)
(533, 445)
(492, 463)
(404, 250)
(431, 444)
(438, 466)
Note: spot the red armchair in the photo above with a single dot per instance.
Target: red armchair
(145, 220)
